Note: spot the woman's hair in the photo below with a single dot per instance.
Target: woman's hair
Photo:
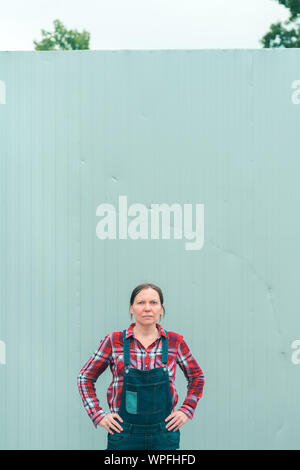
(147, 285)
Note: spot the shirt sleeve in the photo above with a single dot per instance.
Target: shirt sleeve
(87, 377)
(194, 376)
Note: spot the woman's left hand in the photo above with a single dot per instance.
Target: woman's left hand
(177, 419)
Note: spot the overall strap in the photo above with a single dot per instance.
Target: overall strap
(126, 349)
(165, 348)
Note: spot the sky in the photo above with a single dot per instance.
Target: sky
(143, 24)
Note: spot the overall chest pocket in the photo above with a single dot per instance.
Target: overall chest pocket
(146, 399)
(131, 401)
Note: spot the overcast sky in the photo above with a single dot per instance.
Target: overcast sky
(143, 24)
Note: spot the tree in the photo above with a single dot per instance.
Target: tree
(280, 35)
(62, 39)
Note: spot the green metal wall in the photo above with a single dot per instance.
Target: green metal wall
(218, 128)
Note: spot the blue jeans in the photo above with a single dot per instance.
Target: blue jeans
(149, 437)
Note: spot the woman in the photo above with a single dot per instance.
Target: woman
(142, 396)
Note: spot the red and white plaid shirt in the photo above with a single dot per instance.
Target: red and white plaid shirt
(110, 352)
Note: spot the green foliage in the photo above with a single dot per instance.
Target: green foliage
(62, 39)
(293, 6)
(285, 34)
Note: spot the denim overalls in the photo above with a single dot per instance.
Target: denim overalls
(145, 403)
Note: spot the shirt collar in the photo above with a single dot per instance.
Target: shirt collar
(129, 331)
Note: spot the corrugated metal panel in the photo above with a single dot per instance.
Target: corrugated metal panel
(212, 127)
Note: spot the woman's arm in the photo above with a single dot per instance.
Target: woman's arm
(87, 377)
(194, 376)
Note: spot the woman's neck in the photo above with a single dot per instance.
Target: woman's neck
(148, 331)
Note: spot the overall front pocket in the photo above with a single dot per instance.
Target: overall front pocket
(173, 437)
(115, 437)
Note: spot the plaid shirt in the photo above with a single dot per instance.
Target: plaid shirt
(110, 352)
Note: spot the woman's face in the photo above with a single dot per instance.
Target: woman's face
(146, 307)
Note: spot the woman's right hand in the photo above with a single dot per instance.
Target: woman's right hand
(109, 423)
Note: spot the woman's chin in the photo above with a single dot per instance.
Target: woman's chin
(147, 320)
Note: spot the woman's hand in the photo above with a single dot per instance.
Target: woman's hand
(109, 423)
(177, 419)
